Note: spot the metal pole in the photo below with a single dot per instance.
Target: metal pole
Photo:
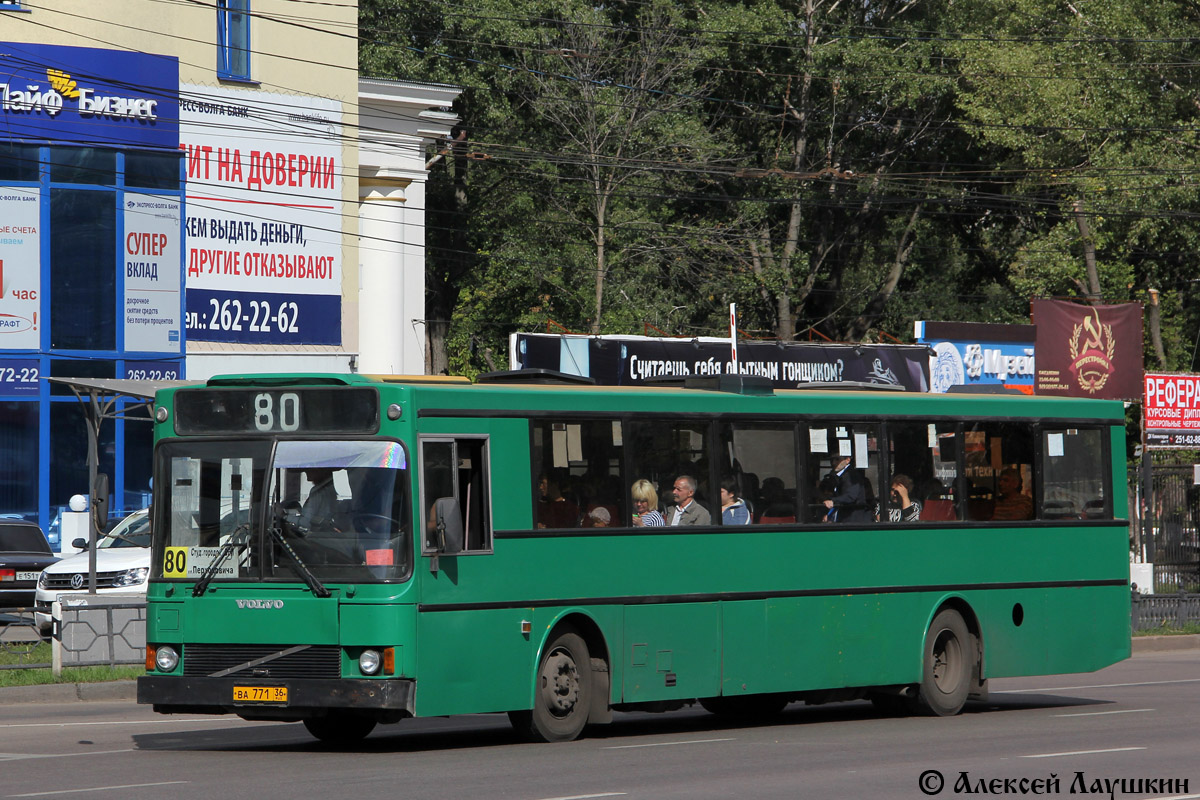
(93, 426)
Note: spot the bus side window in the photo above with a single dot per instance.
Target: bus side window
(456, 470)
(1073, 474)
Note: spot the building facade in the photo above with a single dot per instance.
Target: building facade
(184, 201)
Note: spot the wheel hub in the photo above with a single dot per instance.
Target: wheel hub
(560, 683)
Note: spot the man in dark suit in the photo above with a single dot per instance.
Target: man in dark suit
(849, 502)
(686, 510)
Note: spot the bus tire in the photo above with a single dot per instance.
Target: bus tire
(949, 664)
(562, 694)
(336, 728)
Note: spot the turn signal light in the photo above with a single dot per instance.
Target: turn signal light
(151, 652)
(389, 661)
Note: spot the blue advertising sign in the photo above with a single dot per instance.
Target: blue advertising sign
(263, 317)
(88, 95)
(168, 370)
(19, 378)
(973, 354)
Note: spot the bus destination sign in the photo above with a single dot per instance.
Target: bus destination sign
(284, 410)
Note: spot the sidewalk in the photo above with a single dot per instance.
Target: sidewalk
(126, 691)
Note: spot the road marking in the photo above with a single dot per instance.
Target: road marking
(1084, 752)
(587, 796)
(1102, 713)
(21, 756)
(665, 744)
(99, 789)
(1096, 686)
(111, 722)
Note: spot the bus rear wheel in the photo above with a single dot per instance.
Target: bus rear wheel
(949, 664)
(338, 728)
(563, 694)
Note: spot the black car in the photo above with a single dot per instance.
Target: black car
(24, 553)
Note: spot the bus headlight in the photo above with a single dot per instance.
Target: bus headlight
(369, 662)
(165, 658)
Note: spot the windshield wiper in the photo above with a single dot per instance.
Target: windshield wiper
(315, 585)
(210, 571)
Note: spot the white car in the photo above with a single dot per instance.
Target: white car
(122, 567)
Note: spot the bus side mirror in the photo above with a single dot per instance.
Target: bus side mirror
(448, 526)
(100, 502)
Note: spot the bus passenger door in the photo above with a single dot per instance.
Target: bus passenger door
(462, 643)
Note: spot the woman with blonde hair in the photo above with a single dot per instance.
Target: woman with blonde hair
(645, 505)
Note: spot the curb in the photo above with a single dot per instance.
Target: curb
(107, 692)
(1165, 644)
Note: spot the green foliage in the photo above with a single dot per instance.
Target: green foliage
(848, 167)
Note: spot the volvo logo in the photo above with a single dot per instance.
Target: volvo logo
(77, 581)
(259, 603)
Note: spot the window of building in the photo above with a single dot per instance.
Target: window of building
(18, 162)
(69, 450)
(87, 165)
(83, 269)
(149, 170)
(233, 39)
(19, 444)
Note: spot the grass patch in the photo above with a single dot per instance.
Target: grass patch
(17, 655)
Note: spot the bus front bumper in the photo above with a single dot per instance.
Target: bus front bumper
(305, 697)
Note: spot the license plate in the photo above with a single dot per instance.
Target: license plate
(27, 576)
(260, 694)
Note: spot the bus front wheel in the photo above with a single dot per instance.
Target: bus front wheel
(949, 663)
(563, 693)
(340, 728)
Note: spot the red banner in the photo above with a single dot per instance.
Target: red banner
(1088, 351)
(1171, 411)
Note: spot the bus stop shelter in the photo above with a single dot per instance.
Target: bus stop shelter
(100, 398)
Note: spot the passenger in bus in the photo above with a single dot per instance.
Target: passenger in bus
(850, 501)
(1011, 502)
(554, 510)
(599, 517)
(686, 510)
(904, 507)
(321, 505)
(733, 508)
(645, 505)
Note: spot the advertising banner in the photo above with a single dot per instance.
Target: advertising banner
(19, 378)
(152, 284)
(86, 95)
(632, 360)
(264, 216)
(1171, 411)
(20, 268)
(1088, 351)
(978, 354)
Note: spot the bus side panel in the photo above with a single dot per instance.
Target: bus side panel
(881, 637)
(672, 651)
(473, 661)
(382, 625)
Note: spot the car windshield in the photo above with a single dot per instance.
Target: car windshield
(133, 531)
(293, 510)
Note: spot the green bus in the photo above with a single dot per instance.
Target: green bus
(348, 550)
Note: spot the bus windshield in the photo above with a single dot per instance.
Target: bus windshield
(334, 511)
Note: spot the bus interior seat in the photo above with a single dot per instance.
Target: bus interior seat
(1058, 509)
(766, 519)
(980, 509)
(938, 510)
